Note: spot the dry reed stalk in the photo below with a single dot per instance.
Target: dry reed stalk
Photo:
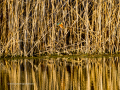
(53, 29)
(99, 24)
(118, 26)
(87, 27)
(4, 24)
(9, 22)
(17, 27)
(77, 26)
(26, 28)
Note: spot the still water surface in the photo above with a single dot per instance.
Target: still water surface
(60, 74)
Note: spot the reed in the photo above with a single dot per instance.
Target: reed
(29, 28)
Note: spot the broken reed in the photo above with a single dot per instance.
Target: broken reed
(29, 27)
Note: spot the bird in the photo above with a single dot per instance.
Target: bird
(60, 24)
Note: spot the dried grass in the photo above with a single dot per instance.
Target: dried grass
(30, 27)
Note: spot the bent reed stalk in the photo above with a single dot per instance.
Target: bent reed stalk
(29, 27)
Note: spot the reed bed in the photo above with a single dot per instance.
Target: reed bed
(29, 27)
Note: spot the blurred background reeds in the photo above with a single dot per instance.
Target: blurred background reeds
(29, 27)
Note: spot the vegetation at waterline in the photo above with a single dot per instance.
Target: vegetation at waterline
(29, 27)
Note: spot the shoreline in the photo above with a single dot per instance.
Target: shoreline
(62, 56)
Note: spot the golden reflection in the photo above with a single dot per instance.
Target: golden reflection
(60, 74)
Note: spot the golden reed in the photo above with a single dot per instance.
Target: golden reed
(29, 27)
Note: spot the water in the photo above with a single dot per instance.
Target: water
(60, 74)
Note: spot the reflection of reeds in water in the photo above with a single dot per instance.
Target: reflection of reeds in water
(61, 74)
(29, 27)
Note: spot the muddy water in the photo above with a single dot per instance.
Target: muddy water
(60, 74)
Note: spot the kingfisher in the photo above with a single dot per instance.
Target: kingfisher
(60, 24)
